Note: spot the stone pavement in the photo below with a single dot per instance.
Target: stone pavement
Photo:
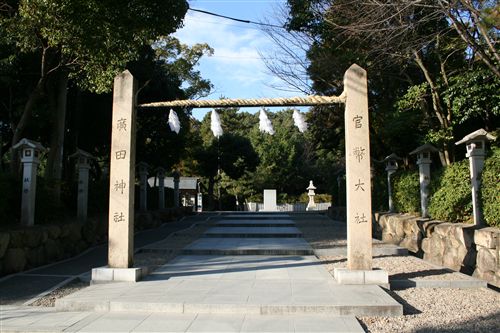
(235, 281)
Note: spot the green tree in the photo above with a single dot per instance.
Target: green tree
(85, 41)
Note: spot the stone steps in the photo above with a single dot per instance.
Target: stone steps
(253, 232)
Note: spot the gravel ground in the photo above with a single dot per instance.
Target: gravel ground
(441, 310)
(49, 300)
(400, 268)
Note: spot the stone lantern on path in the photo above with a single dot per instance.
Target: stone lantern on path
(83, 165)
(476, 151)
(30, 157)
(424, 168)
(391, 165)
(311, 205)
(143, 185)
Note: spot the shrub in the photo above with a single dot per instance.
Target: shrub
(406, 191)
(451, 198)
(490, 189)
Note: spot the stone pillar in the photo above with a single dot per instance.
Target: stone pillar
(424, 169)
(358, 190)
(30, 157)
(476, 151)
(122, 173)
(143, 185)
(161, 188)
(176, 189)
(83, 165)
(391, 165)
(311, 205)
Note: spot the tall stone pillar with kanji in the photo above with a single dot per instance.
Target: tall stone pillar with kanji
(122, 173)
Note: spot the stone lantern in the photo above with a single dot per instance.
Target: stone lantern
(161, 187)
(476, 151)
(143, 185)
(424, 168)
(30, 157)
(83, 160)
(311, 205)
(391, 165)
(177, 177)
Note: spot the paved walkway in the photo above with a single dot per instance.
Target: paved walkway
(235, 279)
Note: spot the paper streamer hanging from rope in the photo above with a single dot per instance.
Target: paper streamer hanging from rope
(300, 122)
(215, 124)
(264, 123)
(173, 122)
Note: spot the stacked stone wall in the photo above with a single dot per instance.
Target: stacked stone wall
(487, 242)
(29, 247)
(458, 246)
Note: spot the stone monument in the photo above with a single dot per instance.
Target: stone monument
(30, 157)
(311, 205)
(83, 165)
(476, 151)
(358, 189)
(270, 201)
(424, 169)
(121, 197)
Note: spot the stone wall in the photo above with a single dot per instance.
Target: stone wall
(29, 247)
(458, 246)
(487, 242)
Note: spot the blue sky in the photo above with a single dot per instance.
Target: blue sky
(236, 69)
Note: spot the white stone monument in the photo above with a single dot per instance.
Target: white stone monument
(270, 201)
(121, 198)
(358, 189)
(30, 157)
(83, 165)
(160, 172)
(424, 169)
(311, 205)
(143, 185)
(476, 151)
(391, 165)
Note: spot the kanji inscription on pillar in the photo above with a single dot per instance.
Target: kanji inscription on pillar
(357, 142)
(122, 172)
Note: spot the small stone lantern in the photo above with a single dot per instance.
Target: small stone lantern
(311, 205)
(177, 177)
(83, 160)
(391, 165)
(424, 167)
(143, 185)
(30, 157)
(161, 187)
(476, 151)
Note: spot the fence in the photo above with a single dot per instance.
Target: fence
(296, 207)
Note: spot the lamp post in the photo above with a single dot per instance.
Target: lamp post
(83, 165)
(476, 151)
(30, 157)
(424, 169)
(391, 165)
(311, 205)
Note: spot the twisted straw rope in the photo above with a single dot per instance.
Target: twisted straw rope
(260, 102)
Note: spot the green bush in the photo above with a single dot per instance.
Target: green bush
(406, 191)
(451, 198)
(490, 189)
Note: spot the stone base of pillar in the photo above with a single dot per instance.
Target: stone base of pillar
(347, 276)
(107, 274)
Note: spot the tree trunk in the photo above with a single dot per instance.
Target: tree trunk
(55, 159)
(24, 121)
